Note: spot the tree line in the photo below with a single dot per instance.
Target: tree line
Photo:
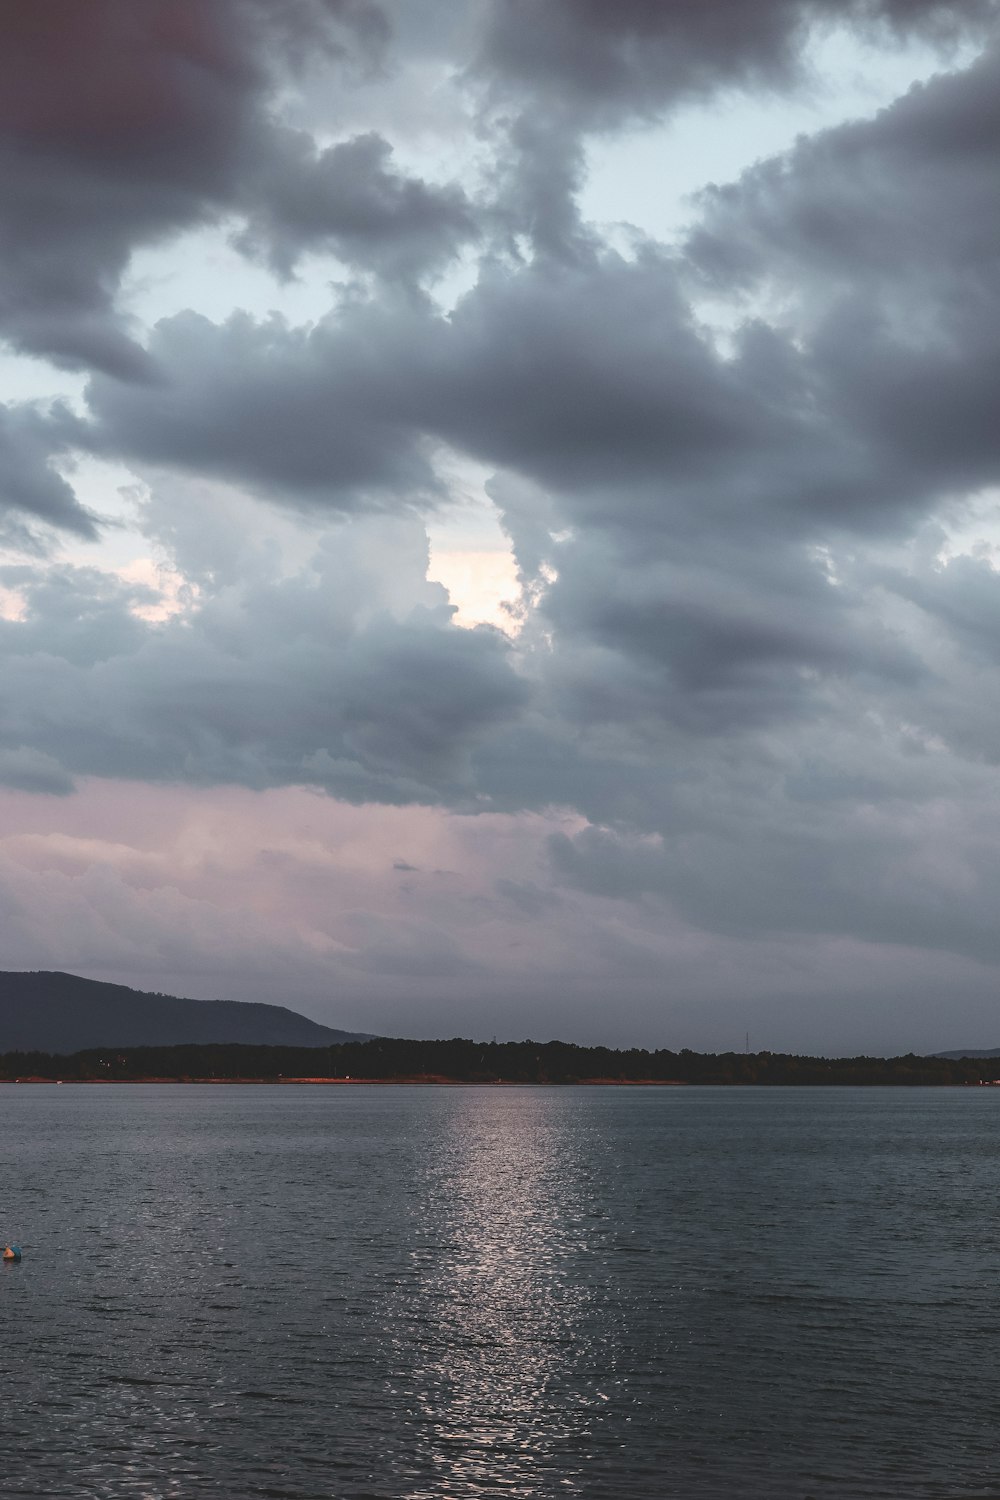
(461, 1060)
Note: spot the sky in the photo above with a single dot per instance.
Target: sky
(499, 513)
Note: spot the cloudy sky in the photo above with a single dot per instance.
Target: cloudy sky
(499, 506)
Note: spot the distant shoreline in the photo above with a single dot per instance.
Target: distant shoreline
(460, 1060)
(466, 1083)
(421, 1078)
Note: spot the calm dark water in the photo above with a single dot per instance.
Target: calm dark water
(423, 1292)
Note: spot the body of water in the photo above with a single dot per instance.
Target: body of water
(424, 1293)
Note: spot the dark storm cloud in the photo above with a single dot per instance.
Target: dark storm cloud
(180, 135)
(302, 414)
(582, 374)
(119, 123)
(605, 61)
(269, 683)
(597, 381)
(348, 199)
(742, 657)
(742, 638)
(704, 597)
(692, 488)
(885, 234)
(29, 485)
(556, 72)
(593, 380)
(812, 214)
(594, 374)
(879, 876)
(123, 122)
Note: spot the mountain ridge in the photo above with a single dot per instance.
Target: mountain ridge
(48, 1010)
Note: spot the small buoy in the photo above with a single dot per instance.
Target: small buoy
(12, 1252)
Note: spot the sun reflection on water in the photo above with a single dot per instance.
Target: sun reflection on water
(492, 1325)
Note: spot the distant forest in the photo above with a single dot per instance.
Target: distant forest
(464, 1061)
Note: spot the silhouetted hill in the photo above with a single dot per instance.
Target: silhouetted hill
(53, 1012)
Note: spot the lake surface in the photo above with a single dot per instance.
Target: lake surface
(404, 1292)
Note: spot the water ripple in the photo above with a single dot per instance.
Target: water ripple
(439, 1294)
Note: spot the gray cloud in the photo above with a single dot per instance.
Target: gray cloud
(348, 199)
(119, 124)
(743, 659)
(31, 489)
(270, 682)
(745, 638)
(882, 877)
(556, 73)
(884, 234)
(302, 414)
(694, 489)
(608, 61)
(27, 769)
(125, 121)
(593, 380)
